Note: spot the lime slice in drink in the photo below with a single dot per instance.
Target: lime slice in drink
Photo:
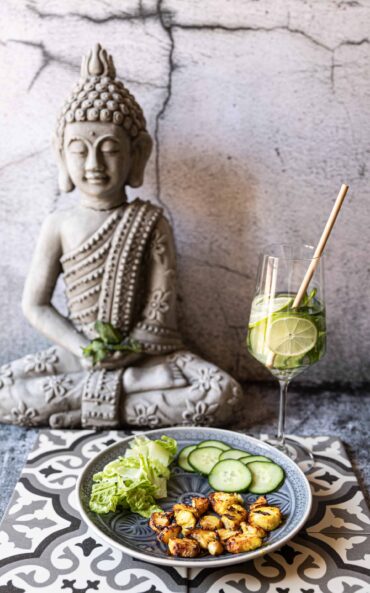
(291, 336)
(256, 342)
(264, 306)
(285, 363)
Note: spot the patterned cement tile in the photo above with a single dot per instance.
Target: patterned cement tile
(45, 547)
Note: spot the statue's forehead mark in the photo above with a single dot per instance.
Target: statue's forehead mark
(92, 133)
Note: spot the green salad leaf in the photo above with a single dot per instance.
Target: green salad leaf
(136, 480)
(108, 333)
(110, 340)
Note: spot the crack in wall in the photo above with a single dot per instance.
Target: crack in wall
(350, 42)
(143, 83)
(287, 28)
(140, 14)
(46, 58)
(334, 65)
(234, 329)
(245, 28)
(168, 25)
(160, 115)
(213, 266)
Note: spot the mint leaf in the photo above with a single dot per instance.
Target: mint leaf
(96, 350)
(110, 340)
(108, 333)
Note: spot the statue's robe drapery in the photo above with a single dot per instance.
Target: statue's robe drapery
(123, 274)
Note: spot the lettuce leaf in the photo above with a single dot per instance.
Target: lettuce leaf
(168, 443)
(136, 480)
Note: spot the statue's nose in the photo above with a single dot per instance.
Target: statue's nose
(93, 162)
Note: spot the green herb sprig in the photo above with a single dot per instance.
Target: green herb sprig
(110, 340)
(307, 299)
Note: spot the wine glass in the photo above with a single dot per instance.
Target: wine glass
(284, 337)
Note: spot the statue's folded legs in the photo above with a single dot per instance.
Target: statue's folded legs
(52, 388)
(118, 264)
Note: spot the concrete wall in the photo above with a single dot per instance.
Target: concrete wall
(259, 110)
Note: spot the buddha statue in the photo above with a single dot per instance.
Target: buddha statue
(117, 259)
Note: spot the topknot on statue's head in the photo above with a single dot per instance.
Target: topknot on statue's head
(98, 96)
(98, 63)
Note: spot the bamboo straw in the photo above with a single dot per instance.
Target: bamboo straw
(321, 245)
(316, 256)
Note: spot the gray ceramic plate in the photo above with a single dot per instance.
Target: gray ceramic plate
(131, 534)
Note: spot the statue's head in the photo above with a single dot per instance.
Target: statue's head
(101, 139)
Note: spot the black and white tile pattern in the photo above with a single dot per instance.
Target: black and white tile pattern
(45, 547)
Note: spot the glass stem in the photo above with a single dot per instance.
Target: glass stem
(282, 408)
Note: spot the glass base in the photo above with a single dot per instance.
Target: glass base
(297, 452)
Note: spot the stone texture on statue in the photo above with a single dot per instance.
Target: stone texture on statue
(118, 265)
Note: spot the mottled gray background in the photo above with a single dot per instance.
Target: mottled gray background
(259, 110)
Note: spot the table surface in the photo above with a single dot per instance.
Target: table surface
(43, 535)
(345, 415)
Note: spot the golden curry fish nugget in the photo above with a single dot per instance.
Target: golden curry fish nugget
(248, 529)
(234, 515)
(221, 501)
(186, 519)
(243, 543)
(159, 520)
(267, 517)
(183, 547)
(228, 527)
(260, 502)
(203, 537)
(225, 534)
(180, 506)
(210, 522)
(200, 504)
(215, 547)
(167, 532)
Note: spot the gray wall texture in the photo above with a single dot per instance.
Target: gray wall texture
(259, 110)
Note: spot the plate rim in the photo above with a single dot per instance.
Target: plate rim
(188, 563)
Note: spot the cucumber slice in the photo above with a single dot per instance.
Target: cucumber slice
(218, 444)
(233, 454)
(230, 475)
(203, 459)
(267, 476)
(182, 459)
(251, 458)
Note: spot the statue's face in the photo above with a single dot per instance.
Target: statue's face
(97, 156)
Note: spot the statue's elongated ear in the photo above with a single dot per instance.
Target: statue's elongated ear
(64, 180)
(141, 148)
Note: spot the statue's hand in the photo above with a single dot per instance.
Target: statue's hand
(86, 363)
(119, 360)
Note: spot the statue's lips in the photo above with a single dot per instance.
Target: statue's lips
(96, 179)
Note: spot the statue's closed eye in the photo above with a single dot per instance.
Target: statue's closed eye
(78, 147)
(109, 146)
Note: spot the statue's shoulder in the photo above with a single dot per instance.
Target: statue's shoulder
(60, 216)
(148, 205)
(67, 217)
(162, 220)
(50, 231)
(52, 222)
